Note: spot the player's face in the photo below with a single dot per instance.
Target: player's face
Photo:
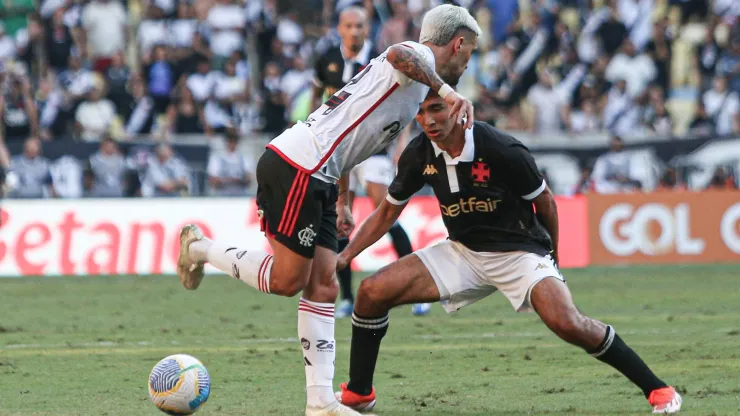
(462, 50)
(434, 119)
(353, 29)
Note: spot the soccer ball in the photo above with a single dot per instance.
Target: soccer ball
(179, 385)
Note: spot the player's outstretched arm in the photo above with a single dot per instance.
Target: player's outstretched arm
(372, 229)
(547, 213)
(411, 64)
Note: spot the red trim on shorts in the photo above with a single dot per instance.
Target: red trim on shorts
(299, 204)
(287, 209)
(341, 136)
(286, 158)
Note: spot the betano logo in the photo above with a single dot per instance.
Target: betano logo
(469, 206)
(430, 170)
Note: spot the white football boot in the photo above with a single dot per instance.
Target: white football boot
(665, 400)
(334, 409)
(190, 272)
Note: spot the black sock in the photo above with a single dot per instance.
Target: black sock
(366, 336)
(617, 354)
(401, 241)
(345, 276)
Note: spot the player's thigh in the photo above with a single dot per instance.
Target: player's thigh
(515, 274)
(290, 213)
(402, 282)
(322, 285)
(456, 279)
(551, 299)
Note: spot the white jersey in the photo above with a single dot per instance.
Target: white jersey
(355, 123)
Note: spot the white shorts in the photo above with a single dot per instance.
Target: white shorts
(464, 276)
(376, 169)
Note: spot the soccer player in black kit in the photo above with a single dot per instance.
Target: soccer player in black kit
(503, 235)
(335, 66)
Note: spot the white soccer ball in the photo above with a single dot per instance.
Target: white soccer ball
(179, 385)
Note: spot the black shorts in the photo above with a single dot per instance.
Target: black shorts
(296, 209)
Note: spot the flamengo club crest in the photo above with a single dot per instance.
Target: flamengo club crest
(306, 236)
(480, 172)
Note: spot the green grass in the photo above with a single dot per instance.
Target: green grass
(85, 346)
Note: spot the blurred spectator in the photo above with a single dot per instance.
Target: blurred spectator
(585, 119)
(94, 116)
(225, 23)
(152, 31)
(141, 112)
(160, 79)
(612, 32)
(202, 81)
(59, 42)
(669, 181)
(622, 114)
(117, 78)
(273, 109)
(659, 49)
(18, 108)
(722, 178)
(7, 45)
(29, 42)
(182, 29)
(706, 57)
(655, 117)
(184, 116)
(549, 104)
(31, 170)
(229, 172)
(701, 125)
(66, 177)
(229, 91)
(166, 175)
(107, 171)
(398, 28)
(49, 102)
(76, 82)
(637, 70)
(585, 183)
(105, 23)
(613, 170)
(723, 106)
(729, 62)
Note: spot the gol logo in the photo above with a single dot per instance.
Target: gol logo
(652, 229)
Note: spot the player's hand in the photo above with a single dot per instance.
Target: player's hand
(345, 222)
(461, 108)
(342, 261)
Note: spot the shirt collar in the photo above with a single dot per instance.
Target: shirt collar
(467, 154)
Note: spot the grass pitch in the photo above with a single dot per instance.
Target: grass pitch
(85, 346)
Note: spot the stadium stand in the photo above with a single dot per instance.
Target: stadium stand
(573, 79)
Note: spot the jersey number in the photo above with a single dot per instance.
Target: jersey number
(393, 130)
(341, 96)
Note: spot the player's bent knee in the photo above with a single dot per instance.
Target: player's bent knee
(287, 284)
(568, 326)
(371, 293)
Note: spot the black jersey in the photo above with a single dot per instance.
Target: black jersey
(329, 67)
(484, 194)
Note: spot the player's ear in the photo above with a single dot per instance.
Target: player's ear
(457, 45)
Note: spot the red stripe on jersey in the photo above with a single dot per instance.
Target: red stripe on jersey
(298, 205)
(353, 126)
(289, 201)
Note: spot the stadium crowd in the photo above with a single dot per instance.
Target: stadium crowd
(160, 71)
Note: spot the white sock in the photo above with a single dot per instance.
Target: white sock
(250, 266)
(316, 332)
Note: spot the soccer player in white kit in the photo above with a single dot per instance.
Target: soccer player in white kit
(301, 207)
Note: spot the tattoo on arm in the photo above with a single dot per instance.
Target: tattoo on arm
(410, 63)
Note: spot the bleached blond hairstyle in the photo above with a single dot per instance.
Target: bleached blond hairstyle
(442, 23)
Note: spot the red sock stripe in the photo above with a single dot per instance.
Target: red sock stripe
(262, 285)
(288, 202)
(305, 308)
(301, 197)
(321, 308)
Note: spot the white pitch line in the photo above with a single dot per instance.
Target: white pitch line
(291, 340)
